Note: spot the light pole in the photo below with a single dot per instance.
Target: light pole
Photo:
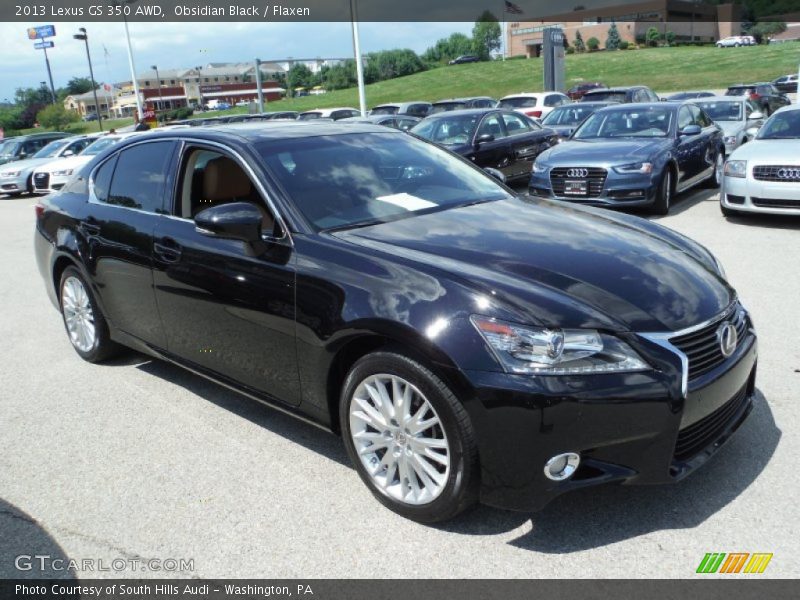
(123, 5)
(362, 99)
(158, 83)
(199, 86)
(84, 37)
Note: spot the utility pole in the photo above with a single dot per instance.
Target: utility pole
(123, 5)
(362, 97)
(49, 75)
(85, 38)
(258, 87)
(158, 83)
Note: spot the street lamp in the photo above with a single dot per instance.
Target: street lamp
(84, 37)
(158, 83)
(130, 54)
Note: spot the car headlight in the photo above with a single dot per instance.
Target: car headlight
(539, 168)
(10, 173)
(536, 351)
(63, 173)
(729, 139)
(736, 168)
(640, 167)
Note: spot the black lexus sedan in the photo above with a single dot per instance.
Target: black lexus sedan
(633, 155)
(468, 344)
(491, 138)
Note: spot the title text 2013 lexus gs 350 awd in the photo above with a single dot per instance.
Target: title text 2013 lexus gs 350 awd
(468, 344)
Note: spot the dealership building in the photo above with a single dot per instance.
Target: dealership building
(690, 22)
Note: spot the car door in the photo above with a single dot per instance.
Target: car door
(494, 152)
(227, 308)
(527, 140)
(689, 149)
(126, 199)
(711, 141)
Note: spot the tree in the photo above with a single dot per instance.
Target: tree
(299, 75)
(448, 48)
(669, 38)
(486, 35)
(593, 44)
(652, 36)
(57, 117)
(613, 39)
(579, 45)
(763, 30)
(78, 85)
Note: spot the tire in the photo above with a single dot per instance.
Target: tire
(29, 185)
(86, 327)
(398, 472)
(664, 193)
(715, 180)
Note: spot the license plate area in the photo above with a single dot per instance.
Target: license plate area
(575, 187)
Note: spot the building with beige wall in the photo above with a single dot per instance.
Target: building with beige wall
(690, 22)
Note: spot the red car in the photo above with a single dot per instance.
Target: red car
(576, 92)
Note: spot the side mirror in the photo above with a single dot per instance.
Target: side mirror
(68, 153)
(481, 139)
(755, 116)
(691, 130)
(236, 221)
(496, 174)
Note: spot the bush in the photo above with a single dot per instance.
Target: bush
(652, 37)
(624, 45)
(669, 37)
(579, 45)
(177, 114)
(592, 44)
(570, 50)
(57, 117)
(517, 57)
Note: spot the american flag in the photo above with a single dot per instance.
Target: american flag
(513, 8)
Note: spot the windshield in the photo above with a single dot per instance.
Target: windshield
(449, 131)
(518, 102)
(309, 116)
(349, 180)
(9, 148)
(627, 122)
(384, 110)
(568, 115)
(100, 145)
(52, 149)
(604, 96)
(722, 111)
(784, 125)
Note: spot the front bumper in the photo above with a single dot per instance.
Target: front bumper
(747, 194)
(14, 185)
(47, 183)
(618, 190)
(634, 428)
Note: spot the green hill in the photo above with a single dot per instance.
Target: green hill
(663, 69)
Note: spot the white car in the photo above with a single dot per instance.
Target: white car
(52, 176)
(763, 176)
(736, 41)
(537, 105)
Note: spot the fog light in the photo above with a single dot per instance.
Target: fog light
(562, 466)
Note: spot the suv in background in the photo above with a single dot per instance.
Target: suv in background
(634, 93)
(466, 58)
(786, 84)
(537, 105)
(764, 94)
(736, 41)
(25, 146)
(576, 92)
(462, 103)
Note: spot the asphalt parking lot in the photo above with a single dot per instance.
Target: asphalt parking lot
(138, 459)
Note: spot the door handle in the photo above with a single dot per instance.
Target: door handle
(167, 249)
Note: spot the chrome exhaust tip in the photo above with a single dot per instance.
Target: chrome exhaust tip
(562, 466)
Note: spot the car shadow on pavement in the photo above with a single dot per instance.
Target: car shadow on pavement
(687, 200)
(272, 419)
(605, 515)
(24, 538)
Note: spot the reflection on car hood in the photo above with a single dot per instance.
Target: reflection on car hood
(778, 152)
(24, 165)
(730, 127)
(557, 264)
(603, 151)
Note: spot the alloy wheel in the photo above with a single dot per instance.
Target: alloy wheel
(720, 164)
(78, 314)
(399, 439)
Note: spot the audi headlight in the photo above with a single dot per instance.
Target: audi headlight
(640, 167)
(539, 168)
(63, 173)
(10, 173)
(535, 351)
(736, 168)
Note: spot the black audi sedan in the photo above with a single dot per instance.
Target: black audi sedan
(633, 155)
(468, 344)
(498, 139)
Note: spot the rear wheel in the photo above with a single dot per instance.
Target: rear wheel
(664, 194)
(86, 327)
(409, 438)
(715, 179)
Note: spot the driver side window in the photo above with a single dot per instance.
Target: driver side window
(210, 178)
(684, 118)
(491, 125)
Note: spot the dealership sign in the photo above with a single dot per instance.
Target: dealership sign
(44, 44)
(42, 31)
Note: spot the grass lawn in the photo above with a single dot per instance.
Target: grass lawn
(663, 69)
(86, 127)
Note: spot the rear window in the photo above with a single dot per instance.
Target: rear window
(384, 110)
(309, 116)
(446, 106)
(518, 102)
(605, 97)
(739, 91)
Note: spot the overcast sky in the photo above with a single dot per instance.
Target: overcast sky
(174, 45)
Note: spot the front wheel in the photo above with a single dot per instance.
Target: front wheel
(664, 194)
(409, 438)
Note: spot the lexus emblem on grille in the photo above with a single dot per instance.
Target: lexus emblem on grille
(577, 172)
(788, 173)
(727, 336)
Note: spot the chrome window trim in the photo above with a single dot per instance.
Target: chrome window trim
(183, 142)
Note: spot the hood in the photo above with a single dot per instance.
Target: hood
(730, 127)
(780, 152)
(23, 165)
(602, 151)
(558, 265)
(72, 162)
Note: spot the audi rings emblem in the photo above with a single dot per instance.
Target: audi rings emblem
(577, 172)
(784, 173)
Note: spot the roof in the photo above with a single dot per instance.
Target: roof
(272, 130)
(101, 95)
(466, 99)
(465, 111)
(623, 88)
